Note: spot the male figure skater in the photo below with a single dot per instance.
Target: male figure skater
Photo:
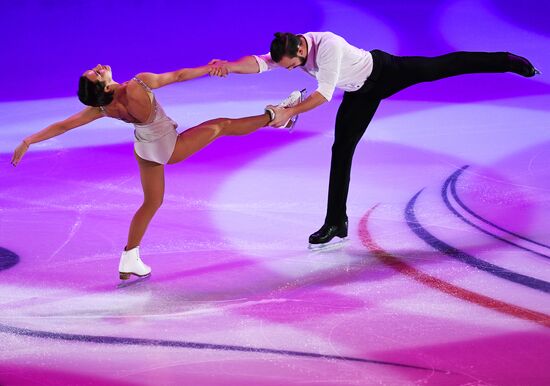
(367, 77)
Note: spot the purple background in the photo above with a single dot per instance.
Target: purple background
(48, 44)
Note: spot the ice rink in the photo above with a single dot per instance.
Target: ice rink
(443, 280)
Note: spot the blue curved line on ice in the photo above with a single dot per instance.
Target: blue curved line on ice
(115, 340)
(451, 181)
(8, 259)
(495, 270)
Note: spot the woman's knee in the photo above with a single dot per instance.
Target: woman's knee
(219, 125)
(152, 204)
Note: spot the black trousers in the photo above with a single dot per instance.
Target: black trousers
(390, 74)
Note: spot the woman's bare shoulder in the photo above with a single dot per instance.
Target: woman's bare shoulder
(134, 90)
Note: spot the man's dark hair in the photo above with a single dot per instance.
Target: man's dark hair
(93, 93)
(284, 44)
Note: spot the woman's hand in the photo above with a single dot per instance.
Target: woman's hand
(19, 153)
(282, 115)
(218, 68)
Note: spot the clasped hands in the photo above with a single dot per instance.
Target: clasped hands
(218, 68)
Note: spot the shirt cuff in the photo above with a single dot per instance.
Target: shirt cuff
(261, 64)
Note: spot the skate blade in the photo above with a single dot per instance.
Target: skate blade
(292, 121)
(331, 245)
(140, 279)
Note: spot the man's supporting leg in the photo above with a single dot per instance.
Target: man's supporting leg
(352, 119)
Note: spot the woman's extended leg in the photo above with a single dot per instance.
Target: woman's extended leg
(198, 137)
(152, 182)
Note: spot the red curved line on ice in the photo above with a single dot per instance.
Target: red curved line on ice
(441, 285)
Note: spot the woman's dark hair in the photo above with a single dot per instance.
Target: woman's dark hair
(284, 44)
(93, 93)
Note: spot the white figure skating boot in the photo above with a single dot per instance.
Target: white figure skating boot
(131, 264)
(292, 100)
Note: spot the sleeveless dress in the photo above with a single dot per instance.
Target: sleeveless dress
(155, 141)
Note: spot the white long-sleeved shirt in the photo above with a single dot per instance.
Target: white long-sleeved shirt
(332, 61)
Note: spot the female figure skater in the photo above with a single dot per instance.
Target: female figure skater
(156, 141)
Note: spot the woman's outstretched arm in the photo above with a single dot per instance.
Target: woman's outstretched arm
(160, 80)
(83, 117)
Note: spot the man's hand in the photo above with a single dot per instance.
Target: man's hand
(282, 116)
(218, 68)
(19, 153)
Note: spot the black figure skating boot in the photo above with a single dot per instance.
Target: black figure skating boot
(323, 236)
(522, 66)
